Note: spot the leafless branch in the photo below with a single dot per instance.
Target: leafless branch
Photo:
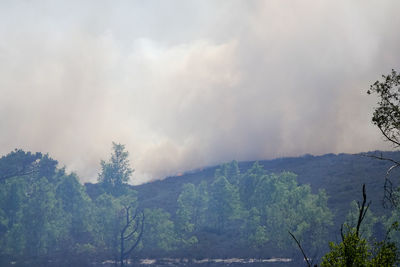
(388, 185)
(395, 142)
(301, 249)
(132, 223)
(362, 210)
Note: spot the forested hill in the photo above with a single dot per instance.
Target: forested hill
(233, 210)
(340, 175)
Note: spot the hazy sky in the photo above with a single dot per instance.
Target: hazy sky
(185, 84)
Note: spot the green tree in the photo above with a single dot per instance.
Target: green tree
(248, 183)
(393, 219)
(254, 232)
(43, 220)
(116, 220)
(224, 203)
(277, 203)
(296, 209)
(366, 229)
(230, 171)
(18, 163)
(191, 213)
(13, 200)
(78, 209)
(108, 220)
(185, 212)
(355, 250)
(160, 233)
(116, 171)
(386, 117)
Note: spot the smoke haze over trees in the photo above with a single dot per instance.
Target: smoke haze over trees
(188, 84)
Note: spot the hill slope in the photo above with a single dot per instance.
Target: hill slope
(341, 176)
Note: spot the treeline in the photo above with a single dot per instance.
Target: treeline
(255, 210)
(47, 217)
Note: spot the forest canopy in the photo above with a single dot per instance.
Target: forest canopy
(47, 214)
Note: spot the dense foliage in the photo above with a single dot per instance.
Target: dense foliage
(45, 212)
(46, 215)
(387, 115)
(356, 251)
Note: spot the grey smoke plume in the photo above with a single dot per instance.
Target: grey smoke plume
(191, 83)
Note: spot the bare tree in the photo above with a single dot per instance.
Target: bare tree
(131, 233)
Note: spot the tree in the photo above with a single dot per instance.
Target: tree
(224, 203)
(354, 250)
(387, 118)
(78, 209)
(185, 214)
(230, 171)
(366, 229)
(192, 207)
(117, 170)
(293, 207)
(387, 115)
(160, 233)
(19, 163)
(131, 233)
(107, 210)
(43, 219)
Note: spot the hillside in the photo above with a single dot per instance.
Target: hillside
(340, 175)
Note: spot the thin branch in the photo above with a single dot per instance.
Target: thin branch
(136, 227)
(138, 239)
(362, 210)
(383, 158)
(5, 177)
(301, 249)
(388, 186)
(388, 137)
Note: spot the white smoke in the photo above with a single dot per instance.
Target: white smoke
(191, 83)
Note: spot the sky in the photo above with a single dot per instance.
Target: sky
(187, 84)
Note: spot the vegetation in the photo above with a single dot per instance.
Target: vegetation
(355, 250)
(45, 213)
(48, 218)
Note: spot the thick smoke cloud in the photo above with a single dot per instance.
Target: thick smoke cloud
(186, 84)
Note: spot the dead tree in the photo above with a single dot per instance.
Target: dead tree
(131, 233)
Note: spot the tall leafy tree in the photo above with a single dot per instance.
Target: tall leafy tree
(248, 184)
(117, 171)
(186, 209)
(191, 212)
(224, 203)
